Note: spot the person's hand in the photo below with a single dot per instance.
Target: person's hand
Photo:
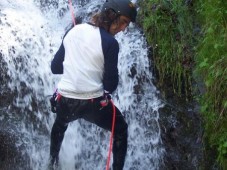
(106, 98)
(107, 95)
(53, 102)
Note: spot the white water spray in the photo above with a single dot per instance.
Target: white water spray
(29, 40)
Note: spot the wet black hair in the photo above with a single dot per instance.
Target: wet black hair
(104, 19)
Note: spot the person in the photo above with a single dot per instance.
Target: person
(87, 60)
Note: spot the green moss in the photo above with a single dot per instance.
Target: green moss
(211, 62)
(168, 28)
(181, 53)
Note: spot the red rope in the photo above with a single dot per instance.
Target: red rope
(72, 12)
(111, 136)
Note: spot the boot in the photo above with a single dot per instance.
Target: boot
(53, 163)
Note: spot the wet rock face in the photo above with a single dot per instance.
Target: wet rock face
(13, 155)
(7, 150)
(19, 102)
(4, 91)
(10, 156)
(181, 134)
(46, 5)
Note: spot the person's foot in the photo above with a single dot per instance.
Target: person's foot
(53, 163)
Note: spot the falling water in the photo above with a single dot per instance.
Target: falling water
(30, 33)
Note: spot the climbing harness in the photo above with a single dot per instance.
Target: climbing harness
(54, 99)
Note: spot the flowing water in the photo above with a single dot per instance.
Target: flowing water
(30, 33)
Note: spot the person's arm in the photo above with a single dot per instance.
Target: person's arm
(110, 77)
(57, 62)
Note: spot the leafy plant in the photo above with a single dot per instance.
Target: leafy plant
(168, 27)
(211, 59)
(171, 28)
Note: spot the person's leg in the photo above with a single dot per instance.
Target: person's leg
(58, 130)
(67, 110)
(120, 147)
(103, 118)
(120, 141)
(57, 135)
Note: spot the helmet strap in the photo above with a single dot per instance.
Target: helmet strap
(111, 17)
(111, 14)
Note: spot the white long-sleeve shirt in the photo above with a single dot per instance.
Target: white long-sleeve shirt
(90, 62)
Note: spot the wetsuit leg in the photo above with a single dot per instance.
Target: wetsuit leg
(103, 118)
(67, 110)
(119, 148)
(57, 135)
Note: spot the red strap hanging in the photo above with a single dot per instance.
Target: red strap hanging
(72, 12)
(111, 136)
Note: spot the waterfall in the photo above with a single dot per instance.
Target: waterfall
(30, 33)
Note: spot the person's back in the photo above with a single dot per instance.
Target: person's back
(83, 64)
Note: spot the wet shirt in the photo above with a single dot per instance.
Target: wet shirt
(87, 60)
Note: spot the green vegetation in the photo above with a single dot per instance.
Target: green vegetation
(189, 42)
(211, 65)
(168, 28)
